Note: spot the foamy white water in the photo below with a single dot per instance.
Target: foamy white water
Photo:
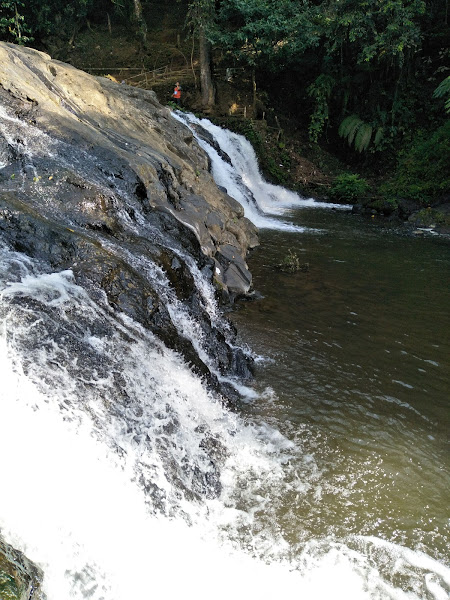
(107, 488)
(242, 179)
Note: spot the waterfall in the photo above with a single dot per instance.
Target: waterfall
(235, 168)
(110, 484)
(124, 475)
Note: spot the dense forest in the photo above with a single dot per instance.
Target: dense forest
(367, 80)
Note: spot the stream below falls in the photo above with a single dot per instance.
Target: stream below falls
(353, 364)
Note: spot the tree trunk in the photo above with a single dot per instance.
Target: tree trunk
(17, 24)
(142, 25)
(254, 93)
(206, 82)
(192, 62)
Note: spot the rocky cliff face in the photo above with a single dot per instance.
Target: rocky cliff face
(97, 177)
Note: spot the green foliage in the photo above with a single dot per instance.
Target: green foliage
(430, 216)
(373, 46)
(356, 131)
(349, 188)
(290, 263)
(320, 91)
(201, 13)
(380, 31)
(21, 22)
(379, 135)
(377, 60)
(13, 27)
(253, 136)
(349, 57)
(273, 157)
(274, 161)
(266, 33)
(274, 170)
(363, 137)
(349, 127)
(387, 206)
(8, 587)
(423, 173)
(443, 91)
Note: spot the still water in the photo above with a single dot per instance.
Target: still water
(352, 363)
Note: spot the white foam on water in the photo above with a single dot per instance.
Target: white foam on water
(76, 511)
(25, 138)
(74, 504)
(403, 384)
(243, 181)
(54, 289)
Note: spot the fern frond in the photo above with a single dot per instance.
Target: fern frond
(363, 135)
(357, 124)
(349, 127)
(379, 135)
(442, 90)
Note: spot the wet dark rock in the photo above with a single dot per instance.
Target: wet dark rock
(407, 208)
(97, 179)
(234, 269)
(100, 179)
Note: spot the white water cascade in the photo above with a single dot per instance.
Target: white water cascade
(264, 203)
(124, 477)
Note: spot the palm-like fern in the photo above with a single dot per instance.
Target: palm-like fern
(356, 131)
(442, 90)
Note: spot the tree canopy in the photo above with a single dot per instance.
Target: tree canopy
(368, 70)
(364, 63)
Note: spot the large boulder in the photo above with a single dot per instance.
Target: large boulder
(118, 132)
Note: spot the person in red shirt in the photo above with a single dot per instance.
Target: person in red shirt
(177, 93)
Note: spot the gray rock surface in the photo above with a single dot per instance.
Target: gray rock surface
(151, 154)
(99, 178)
